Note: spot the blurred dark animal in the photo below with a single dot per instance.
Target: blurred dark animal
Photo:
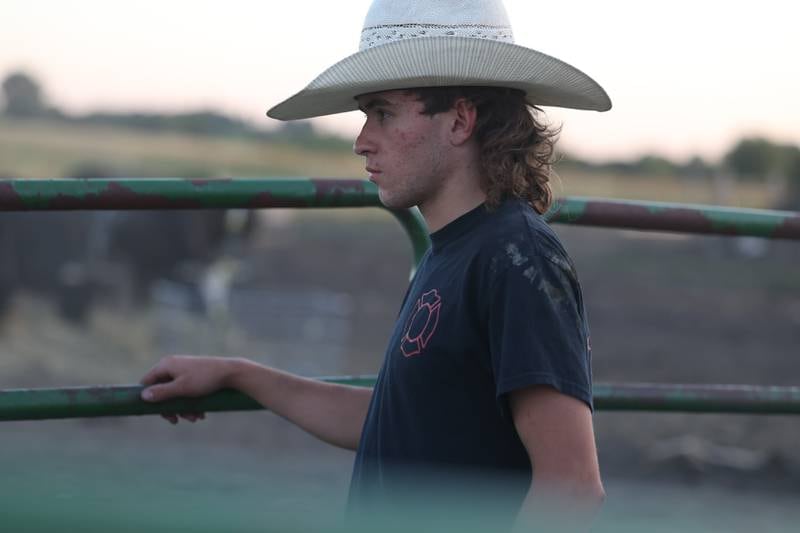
(76, 257)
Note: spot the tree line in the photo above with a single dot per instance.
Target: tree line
(23, 98)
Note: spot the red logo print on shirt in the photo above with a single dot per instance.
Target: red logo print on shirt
(422, 324)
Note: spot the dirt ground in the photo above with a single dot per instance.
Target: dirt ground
(318, 294)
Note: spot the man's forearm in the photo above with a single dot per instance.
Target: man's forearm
(332, 413)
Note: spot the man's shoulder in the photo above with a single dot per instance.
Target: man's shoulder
(515, 224)
(517, 241)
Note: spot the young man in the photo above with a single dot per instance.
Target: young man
(488, 370)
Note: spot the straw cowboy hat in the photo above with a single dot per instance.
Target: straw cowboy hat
(430, 43)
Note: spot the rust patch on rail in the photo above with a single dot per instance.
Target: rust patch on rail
(205, 182)
(10, 199)
(266, 199)
(643, 218)
(330, 191)
(788, 229)
(117, 196)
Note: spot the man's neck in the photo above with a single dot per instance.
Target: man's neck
(454, 199)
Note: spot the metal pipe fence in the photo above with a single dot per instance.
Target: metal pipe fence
(175, 193)
(87, 402)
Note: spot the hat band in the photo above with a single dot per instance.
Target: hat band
(386, 33)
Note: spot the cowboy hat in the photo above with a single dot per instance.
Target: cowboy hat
(430, 43)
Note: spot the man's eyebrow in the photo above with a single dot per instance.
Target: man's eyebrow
(375, 102)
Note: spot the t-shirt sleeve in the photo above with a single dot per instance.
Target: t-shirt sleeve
(537, 329)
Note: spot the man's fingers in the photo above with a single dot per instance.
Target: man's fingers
(172, 419)
(162, 391)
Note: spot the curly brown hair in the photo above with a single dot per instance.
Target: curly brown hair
(516, 146)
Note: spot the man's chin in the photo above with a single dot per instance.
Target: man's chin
(393, 202)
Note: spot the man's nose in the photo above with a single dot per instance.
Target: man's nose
(363, 144)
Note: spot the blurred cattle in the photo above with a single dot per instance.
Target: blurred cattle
(76, 257)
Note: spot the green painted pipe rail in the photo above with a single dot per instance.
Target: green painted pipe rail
(178, 193)
(80, 402)
(673, 217)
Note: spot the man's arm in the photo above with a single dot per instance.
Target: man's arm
(330, 412)
(557, 432)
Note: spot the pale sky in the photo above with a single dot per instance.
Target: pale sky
(685, 76)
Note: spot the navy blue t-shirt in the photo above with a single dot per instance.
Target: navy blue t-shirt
(495, 306)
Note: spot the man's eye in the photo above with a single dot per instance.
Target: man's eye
(382, 114)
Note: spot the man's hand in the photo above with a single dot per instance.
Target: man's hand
(182, 376)
(333, 413)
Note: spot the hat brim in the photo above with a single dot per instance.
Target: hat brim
(444, 61)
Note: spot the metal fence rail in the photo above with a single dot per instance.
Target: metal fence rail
(84, 402)
(683, 218)
(173, 193)
(251, 193)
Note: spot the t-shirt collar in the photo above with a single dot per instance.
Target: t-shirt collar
(456, 228)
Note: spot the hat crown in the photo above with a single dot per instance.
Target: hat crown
(393, 20)
(441, 43)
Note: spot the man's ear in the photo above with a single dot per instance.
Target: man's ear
(465, 117)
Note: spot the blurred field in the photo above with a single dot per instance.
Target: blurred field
(33, 149)
(36, 149)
